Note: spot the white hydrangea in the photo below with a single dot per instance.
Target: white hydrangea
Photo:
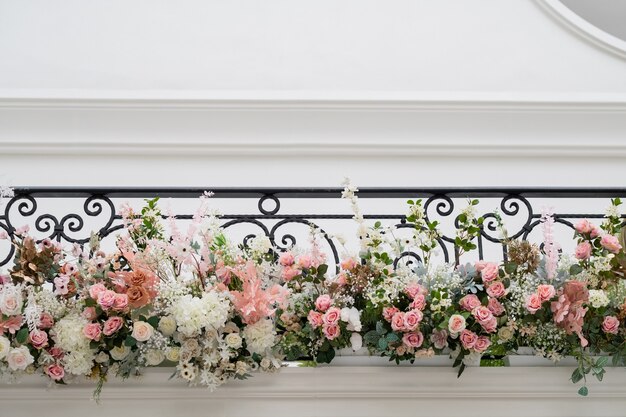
(192, 314)
(259, 336)
(598, 298)
(260, 245)
(68, 335)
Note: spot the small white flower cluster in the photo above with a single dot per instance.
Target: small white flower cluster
(193, 314)
(55, 306)
(598, 298)
(519, 290)
(549, 341)
(259, 246)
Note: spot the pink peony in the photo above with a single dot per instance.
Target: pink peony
(583, 251)
(496, 289)
(323, 302)
(468, 339)
(495, 307)
(482, 344)
(397, 321)
(315, 319)
(489, 273)
(332, 316)
(545, 292)
(469, 302)
(55, 372)
(112, 325)
(595, 231)
(610, 325)
(611, 243)
(583, 226)
(331, 331)
(388, 313)
(38, 338)
(286, 259)
(533, 303)
(92, 331)
(412, 319)
(413, 339)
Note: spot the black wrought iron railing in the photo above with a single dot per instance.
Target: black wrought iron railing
(70, 214)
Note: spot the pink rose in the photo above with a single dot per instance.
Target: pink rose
(348, 264)
(611, 243)
(419, 302)
(583, 226)
(323, 302)
(388, 313)
(304, 261)
(341, 279)
(489, 272)
(482, 314)
(106, 299)
(439, 339)
(56, 352)
(456, 324)
(545, 292)
(121, 302)
(469, 302)
(583, 251)
(482, 344)
(38, 338)
(286, 259)
(610, 325)
(46, 321)
(533, 303)
(412, 319)
(315, 318)
(332, 316)
(92, 331)
(397, 321)
(496, 289)
(480, 265)
(331, 331)
(413, 339)
(412, 290)
(495, 307)
(490, 325)
(595, 231)
(112, 325)
(290, 273)
(95, 290)
(55, 372)
(468, 339)
(89, 313)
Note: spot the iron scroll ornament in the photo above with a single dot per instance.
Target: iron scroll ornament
(101, 207)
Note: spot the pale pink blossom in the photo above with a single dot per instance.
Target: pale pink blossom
(545, 292)
(469, 302)
(468, 339)
(46, 321)
(610, 324)
(92, 331)
(397, 321)
(413, 339)
(419, 302)
(413, 289)
(611, 243)
(533, 303)
(55, 372)
(96, 289)
(112, 325)
(496, 289)
(106, 299)
(331, 331)
(495, 307)
(315, 319)
(583, 226)
(349, 264)
(323, 302)
(482, 344)
(412, 319)
(439, 338)
(38, 339)
(489, 272)
(388, 313)
(286, 259)
(583, 251)
(332, 316)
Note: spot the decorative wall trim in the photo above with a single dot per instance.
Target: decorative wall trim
(584, 29)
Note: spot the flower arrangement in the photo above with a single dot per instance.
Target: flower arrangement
(215, 311)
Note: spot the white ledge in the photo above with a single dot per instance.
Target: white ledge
(345, 391)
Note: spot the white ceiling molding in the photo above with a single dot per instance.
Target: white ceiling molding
(583, 28)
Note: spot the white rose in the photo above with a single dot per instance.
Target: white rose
(142, 331)
(120, 352)
(11, 302)
(19, 358)
(356, 340)
(505, 334)
(265, 363)
(5, 346)
(102, 357)
(233, 340)
(173, 354)
(154, 357)
(167, 325)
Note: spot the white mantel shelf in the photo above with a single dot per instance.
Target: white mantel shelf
(334, 391)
